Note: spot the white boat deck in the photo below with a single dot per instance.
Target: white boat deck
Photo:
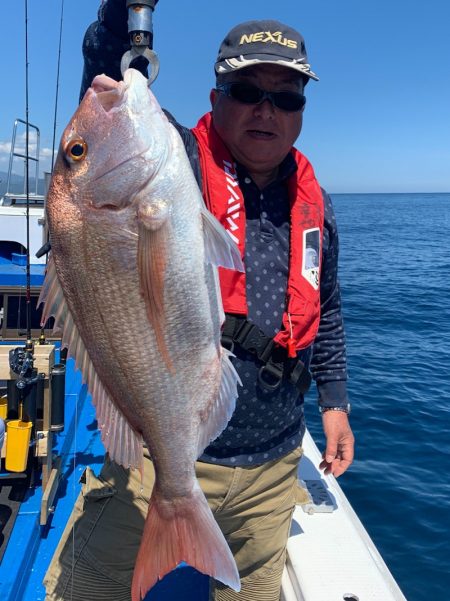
(13, 228)
(330, 554)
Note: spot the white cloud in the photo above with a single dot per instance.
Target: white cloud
(45, 154)
(5, 147)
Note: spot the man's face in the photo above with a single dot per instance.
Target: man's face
(258, 136)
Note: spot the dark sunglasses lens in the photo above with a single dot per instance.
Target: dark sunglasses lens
(289, 101)
(250, 94)
(246, 93)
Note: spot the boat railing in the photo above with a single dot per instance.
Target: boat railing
(10, 197)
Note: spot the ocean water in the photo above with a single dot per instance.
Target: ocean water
(395, 279)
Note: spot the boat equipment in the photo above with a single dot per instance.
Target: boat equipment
(13, 198)
(140, 29)
(29, 343)
(35, 386)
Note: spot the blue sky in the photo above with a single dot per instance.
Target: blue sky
(377, 121)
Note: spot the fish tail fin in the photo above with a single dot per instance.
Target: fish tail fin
(183, 529)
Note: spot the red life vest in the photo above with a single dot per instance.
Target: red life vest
(225, 200)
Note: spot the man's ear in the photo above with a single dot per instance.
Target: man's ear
(213, 97)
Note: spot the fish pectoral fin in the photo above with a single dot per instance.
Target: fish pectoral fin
(182, 529)
(220, 250)
(223, 407)
(123, 444)
(152, 256)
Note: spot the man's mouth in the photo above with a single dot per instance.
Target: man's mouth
(260, 134)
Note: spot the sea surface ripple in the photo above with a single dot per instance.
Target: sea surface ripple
(395, 280)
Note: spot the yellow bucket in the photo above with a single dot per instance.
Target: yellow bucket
(3, 407)
(17, 445)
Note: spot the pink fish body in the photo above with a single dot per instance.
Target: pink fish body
(133, 285)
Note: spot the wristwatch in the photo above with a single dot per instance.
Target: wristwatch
(346, 409)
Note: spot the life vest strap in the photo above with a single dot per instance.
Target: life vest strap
(247, 336)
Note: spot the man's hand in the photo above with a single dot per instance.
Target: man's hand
(338, 455)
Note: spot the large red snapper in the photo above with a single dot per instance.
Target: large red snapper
(133, 285)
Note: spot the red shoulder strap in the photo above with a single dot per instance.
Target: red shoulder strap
(224, 199)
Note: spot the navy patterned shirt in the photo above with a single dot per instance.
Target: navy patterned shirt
(265, 425)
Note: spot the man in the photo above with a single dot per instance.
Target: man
(266, 195)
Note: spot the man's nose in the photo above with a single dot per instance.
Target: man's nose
(264, 109)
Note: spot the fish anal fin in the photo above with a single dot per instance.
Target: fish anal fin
(121, 441)
(184, 530)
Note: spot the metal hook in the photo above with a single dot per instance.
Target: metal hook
(148, 54)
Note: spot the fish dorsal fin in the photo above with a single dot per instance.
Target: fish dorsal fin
(123, 444)
(223, 407)
(220, 250)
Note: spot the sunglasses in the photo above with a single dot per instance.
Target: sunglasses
(247, 93)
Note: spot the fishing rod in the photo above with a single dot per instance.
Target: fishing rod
(21, 359)
(29, 343)
(44, 250)
(27, 408)
(57, 84)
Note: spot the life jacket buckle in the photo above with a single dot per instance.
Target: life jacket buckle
(238, 330)
(270, 376)
(253, 340)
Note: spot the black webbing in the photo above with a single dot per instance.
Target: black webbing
(239, 332)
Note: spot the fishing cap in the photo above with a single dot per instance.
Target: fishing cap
(265, 41)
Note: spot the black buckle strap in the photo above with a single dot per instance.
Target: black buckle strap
(300, 377)
(227, 335)
(250, 338)
(253, 340)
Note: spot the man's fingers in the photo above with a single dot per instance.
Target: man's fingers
(336, 459)
(336, 467)
(341, 468)
(330, 456)
(331, 450)
(339, 448)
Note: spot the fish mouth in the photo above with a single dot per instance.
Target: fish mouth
(109, 92)
(111, 96)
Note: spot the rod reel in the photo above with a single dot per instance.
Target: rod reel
(21, 363)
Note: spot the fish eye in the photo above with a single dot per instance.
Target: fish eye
(76, 150)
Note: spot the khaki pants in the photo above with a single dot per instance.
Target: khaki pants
(253, 507)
